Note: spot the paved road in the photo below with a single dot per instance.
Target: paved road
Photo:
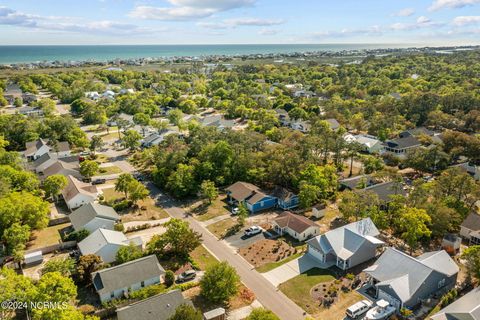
(265, 292)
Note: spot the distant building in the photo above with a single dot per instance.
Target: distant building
(400, 146)
(36, 149)
(117, 282)
(470, 228)
(78, 193)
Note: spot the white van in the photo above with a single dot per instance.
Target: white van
(358, 309)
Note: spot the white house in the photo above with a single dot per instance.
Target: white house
(78, 193)
(63, 168)
(36, 149)
(105, 244)
(48, 159)
(93, 216)
(470, 228)
(297, 226)
(117, 282)
(369, 144)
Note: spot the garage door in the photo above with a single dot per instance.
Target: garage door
(385, 296)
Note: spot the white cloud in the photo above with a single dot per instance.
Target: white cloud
(240, 22)
(466, 20)
(373, 30)
(15, 18)
(407, 12)
(187, 9)
(268, 32)
(421, 22)
(442, 4)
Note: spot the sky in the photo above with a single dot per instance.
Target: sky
(417, 22)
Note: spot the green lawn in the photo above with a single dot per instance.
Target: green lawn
(272, 265)
(103, 171)
(221, 228)
(216, 209)
(111, 195)
(202, 257)
(298, 288)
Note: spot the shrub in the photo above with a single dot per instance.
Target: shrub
(350, 276)
(77, 235)
(185, 286)
(122, 205)
(86, 309)
(169, 278)
(147, 292)
(119, 227)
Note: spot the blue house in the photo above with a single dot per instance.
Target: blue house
(286, 199)
(251, 196)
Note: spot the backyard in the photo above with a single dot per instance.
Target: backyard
(46, 237)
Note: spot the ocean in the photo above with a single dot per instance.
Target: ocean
(36, 53)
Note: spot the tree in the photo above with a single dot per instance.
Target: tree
(54, 184)
(52, 286)
(18, 102)
(47, 105)
(14, 287)
(208, 191)
(96, 143)
(242, 214)
(308, 195)
(472, 256)
(88, 168)
(87, 265)
(179, 239)
(414, 223)
(131, 139)
(64, 266)
(169, 278)
(262, 314)
(128, 253)
(122, 183)
(142, 120)
(186, 312)
(137, 191)
(175, 116)
(219, 283)
(358, 204)
(15, 237)
(181, 182)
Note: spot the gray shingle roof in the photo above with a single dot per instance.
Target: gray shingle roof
(465, 308)
(405, 274)
(353, 182)
(386, 189)
(127, 274)
(100, 238)
(87, 212)
(472, 221)
(159, 307)
(403, 143)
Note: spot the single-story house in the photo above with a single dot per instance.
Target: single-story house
(401, 146)
(156, 138)
(28, 97)
(12, 92)
(357, 182)
(415, 132)
(217, 120)
(36, 149)
(283, 116)
(93, 95)
(78, 193)
(48, 159)
(385, 190)
(405, 281)
(470, 228)
(347, 246)
(158, 307)
(251, 196)
(333, 123)
(369, 144)
(117, 282)
(464, 308)
(93, 216)
(297, 226)
(30, 111)
(286, 199)
(63, 168)
(105, 244)
(301, 125)
(471, 169)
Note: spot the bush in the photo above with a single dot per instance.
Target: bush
(185, 286)
(122, 205)
(350, 276)
(169, 278)
(77, 235)
(86, 309)
(119, 227)
(147, 292)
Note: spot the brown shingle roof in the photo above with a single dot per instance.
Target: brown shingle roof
(242, 190)
(472, 221)
(76, 186)
(295, 222)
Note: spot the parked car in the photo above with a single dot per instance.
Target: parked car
(359, 308)
(99, 181)
(235, 211)
(186, 276)
(253, 230)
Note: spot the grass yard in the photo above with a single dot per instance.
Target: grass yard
(111, 195)
(272, 265)
(46, 237)
(203, 258)
(222, 228)
(110, 136)
(217, 208)
(103, 171)
(298, 288)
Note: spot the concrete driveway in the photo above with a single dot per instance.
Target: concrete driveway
(291, 269)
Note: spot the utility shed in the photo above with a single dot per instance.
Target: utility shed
(31, 258)
(215, 314)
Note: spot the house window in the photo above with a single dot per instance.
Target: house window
(112, 294)
(142, 284)
(441, 283)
